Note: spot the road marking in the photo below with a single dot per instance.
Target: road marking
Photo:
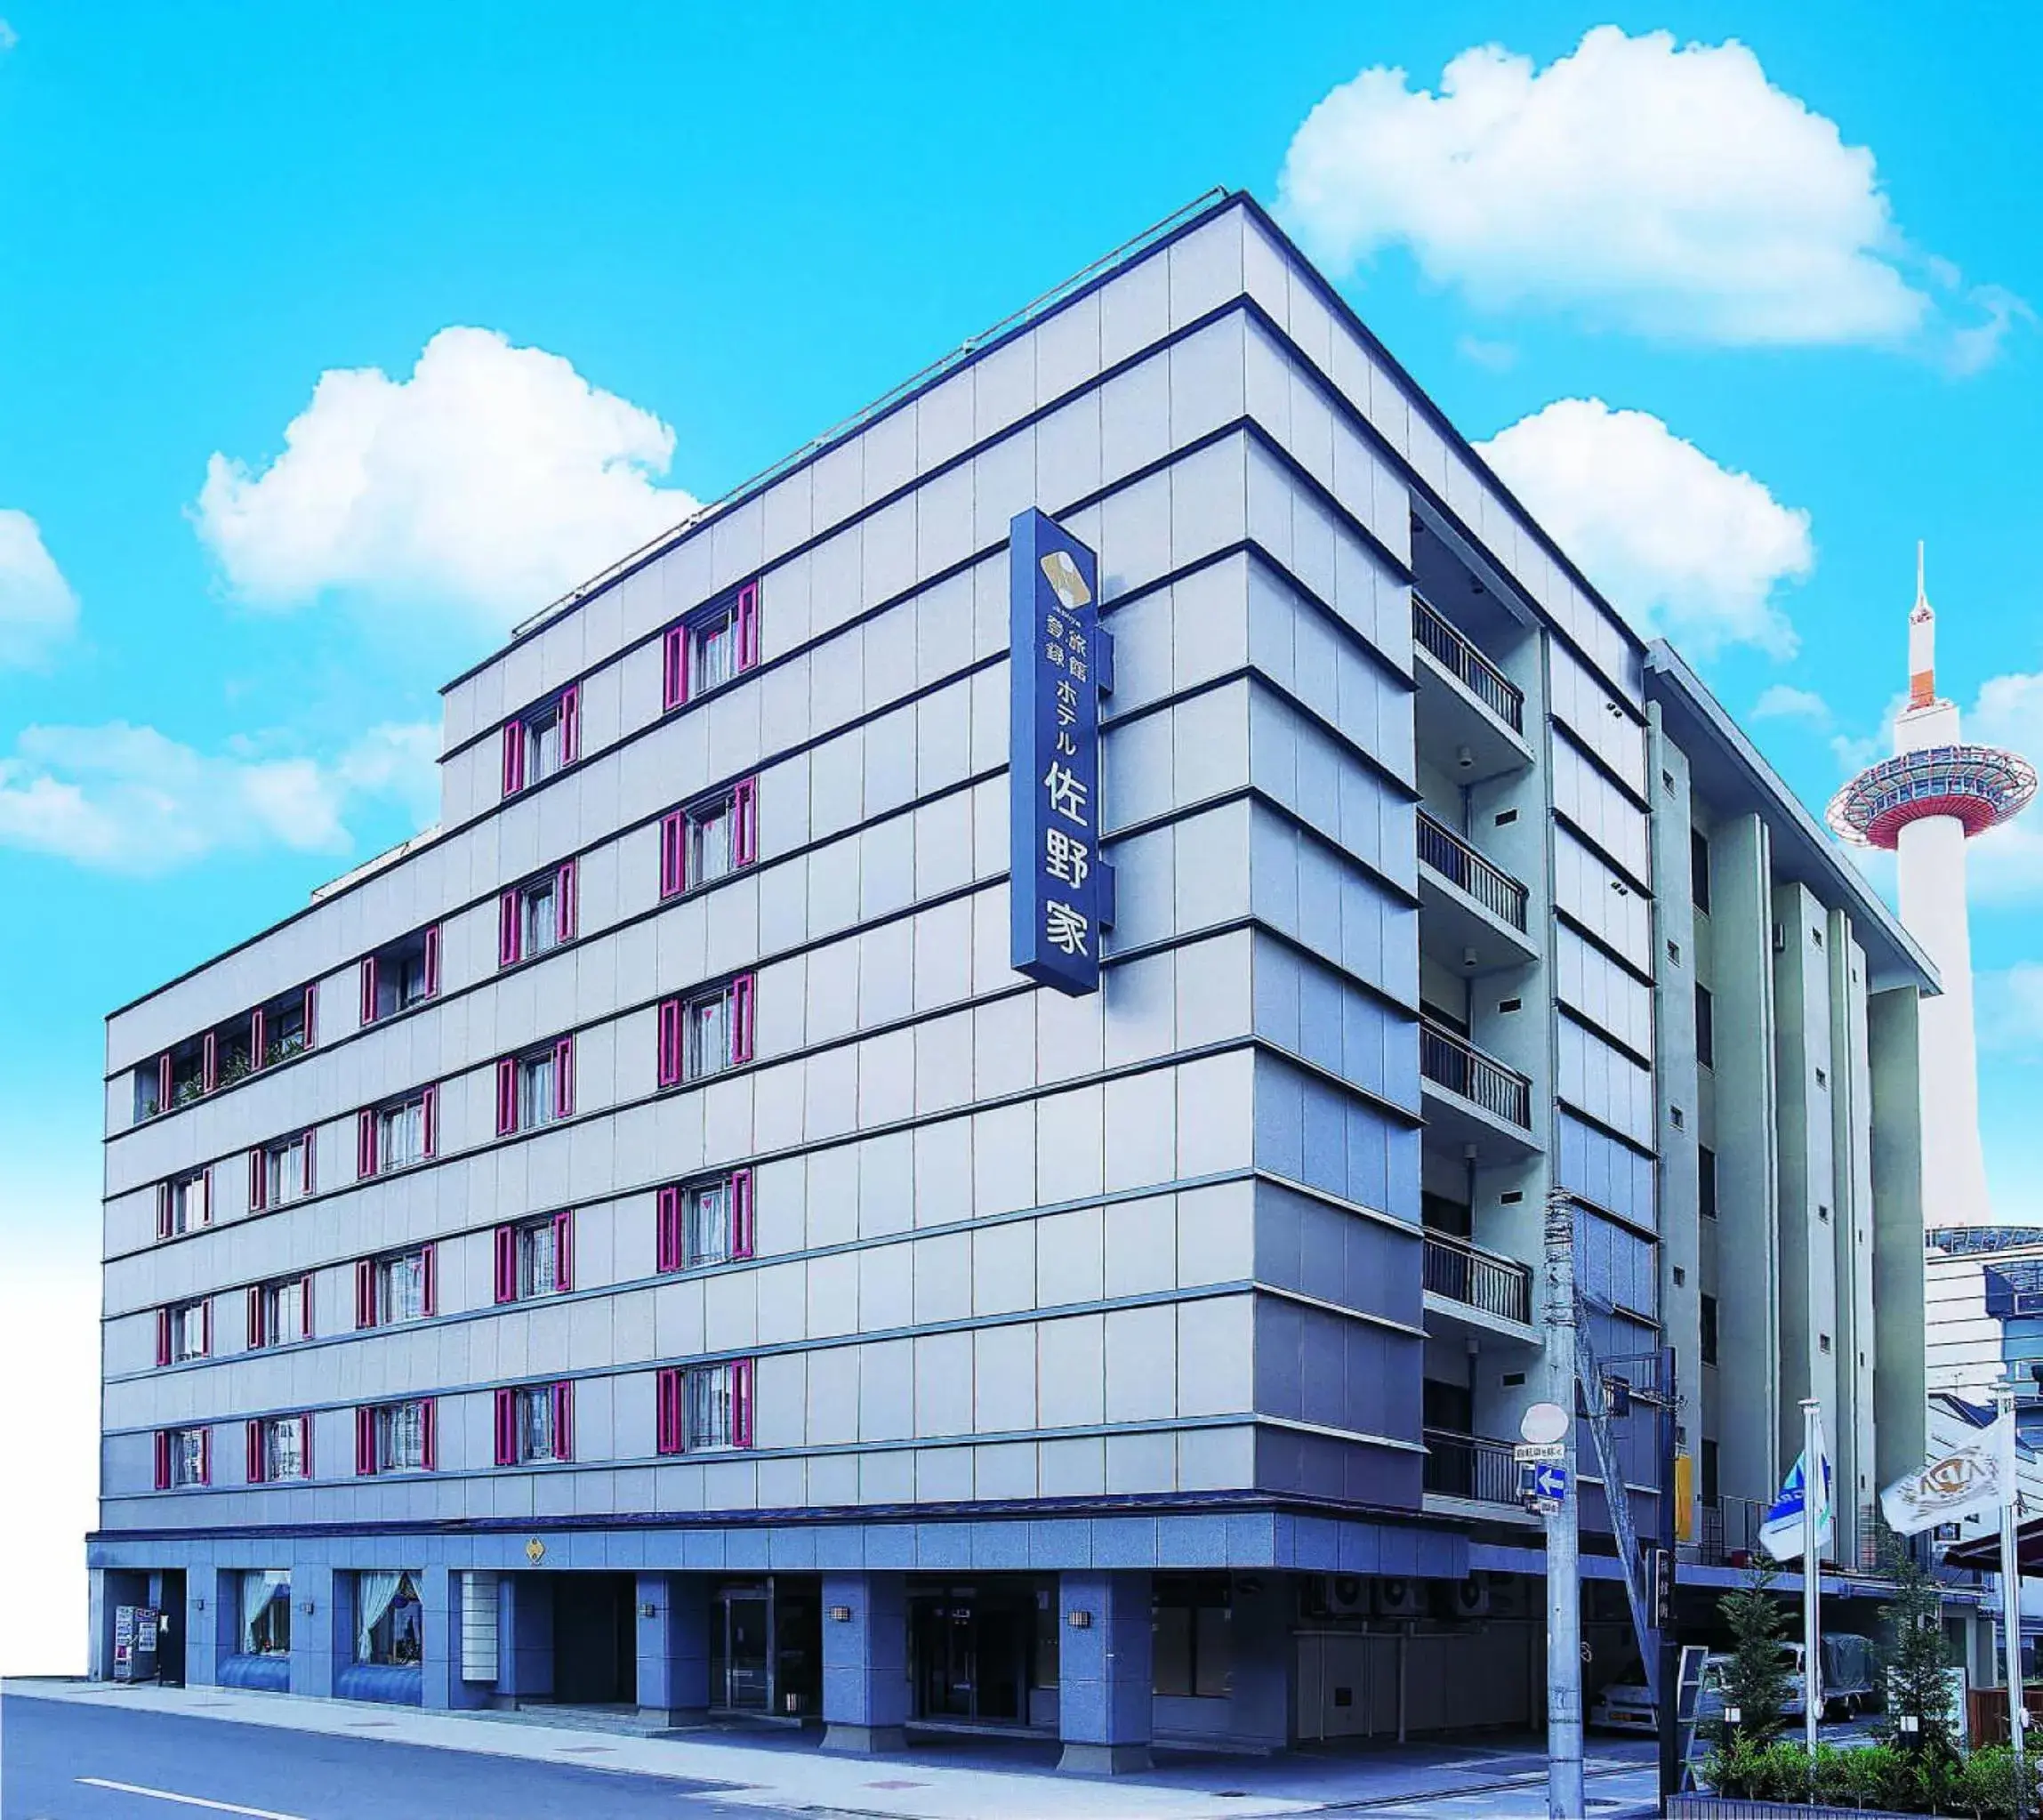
(163, 1794)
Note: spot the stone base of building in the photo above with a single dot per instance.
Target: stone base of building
(865, 1740)
(1105, 1760)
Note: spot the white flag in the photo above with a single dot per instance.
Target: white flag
(1960, 1485)
(1780, 1533)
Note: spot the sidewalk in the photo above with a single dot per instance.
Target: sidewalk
(945, 1778)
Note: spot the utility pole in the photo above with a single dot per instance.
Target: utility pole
(1668, 1684)
(2005, 1393)
(1563, 1530)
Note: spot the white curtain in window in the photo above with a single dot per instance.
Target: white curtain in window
(715, 652)
(258, 1588)
(708, 1225)
(373, 1592)
(535, 1260)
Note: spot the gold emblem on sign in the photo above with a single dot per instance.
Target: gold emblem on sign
(535, 1551)
(1062, 574)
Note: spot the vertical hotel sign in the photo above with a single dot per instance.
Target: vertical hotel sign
(1060, 662)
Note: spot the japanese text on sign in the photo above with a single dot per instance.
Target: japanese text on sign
(1061, 662)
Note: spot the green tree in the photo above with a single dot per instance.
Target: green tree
(1758, 1678)
(1913, 1655)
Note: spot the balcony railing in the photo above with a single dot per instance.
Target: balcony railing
(1482, 679)
(1445, 852)
(1470, 1466)
(1478, 1279)
(1456, 1064)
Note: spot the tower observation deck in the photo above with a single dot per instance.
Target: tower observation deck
(1923, 805)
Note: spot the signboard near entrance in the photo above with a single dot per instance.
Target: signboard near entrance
(1060, 662)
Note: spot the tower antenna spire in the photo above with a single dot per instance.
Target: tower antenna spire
(1921, 642)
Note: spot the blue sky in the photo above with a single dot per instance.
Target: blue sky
(1805, 265)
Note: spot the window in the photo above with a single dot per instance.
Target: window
(279, 1447)
(535, 1422)
(705, 1222)
(1699, 869)
(536, 1259)
(1708, 1474)
(710, 840)
(395, 1436)
(401, 1287)
(706, 1034)
(1705, 1027)
(400, 975)
(1192, 1624)
(286, 1026)
(705, 1407)
(1709, 1330)
(536, 916)
(536, 1089)
(266, 1613)
(184, 1204)
(280, 1172)
(543, 740)
(390, 1621)
(1705, 1181)
(396, 1136)
(183, 1457)
(708, 649)
(280, 1312)
(183, 1332)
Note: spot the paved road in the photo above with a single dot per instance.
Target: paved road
(68, 1761)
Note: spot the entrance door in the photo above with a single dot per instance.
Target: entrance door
(747, 1627)
(946, 1658)
(971, 1655)
(170, 1633)
(595, 1643)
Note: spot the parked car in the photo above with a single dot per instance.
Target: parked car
(1625, 1706)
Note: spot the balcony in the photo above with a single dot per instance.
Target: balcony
(1471, 1277)
(1472, 914)
(1470, 1467)
(1467, 665)
(1471, 716)
(1452, 1062)
(1464, 868)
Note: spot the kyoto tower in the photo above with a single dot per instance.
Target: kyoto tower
(1922, 805)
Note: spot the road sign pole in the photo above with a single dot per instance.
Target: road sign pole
(1669, 1714)
(1563, 1536)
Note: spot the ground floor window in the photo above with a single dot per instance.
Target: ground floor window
(1192, 1624)
(389, 1623)
(266, 1613)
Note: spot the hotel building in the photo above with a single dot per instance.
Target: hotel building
(643, 1242)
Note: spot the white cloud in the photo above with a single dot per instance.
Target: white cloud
(1666, 189)
(127, 799)
(1784, 702)
(1494, 357)
(2004, 864)
(9, 38)
(1679, 544)
(38, 609)
(2009, 1010)
(492, 480)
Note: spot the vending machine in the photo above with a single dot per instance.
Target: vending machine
(136, 1629)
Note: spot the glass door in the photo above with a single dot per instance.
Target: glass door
(743, 1677)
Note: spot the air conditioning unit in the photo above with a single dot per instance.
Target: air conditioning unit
(1345, 1595)
(1510, 1597)
(1466, 1598)
(1400, 1598)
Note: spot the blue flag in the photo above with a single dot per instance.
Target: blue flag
(1780, 1533)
